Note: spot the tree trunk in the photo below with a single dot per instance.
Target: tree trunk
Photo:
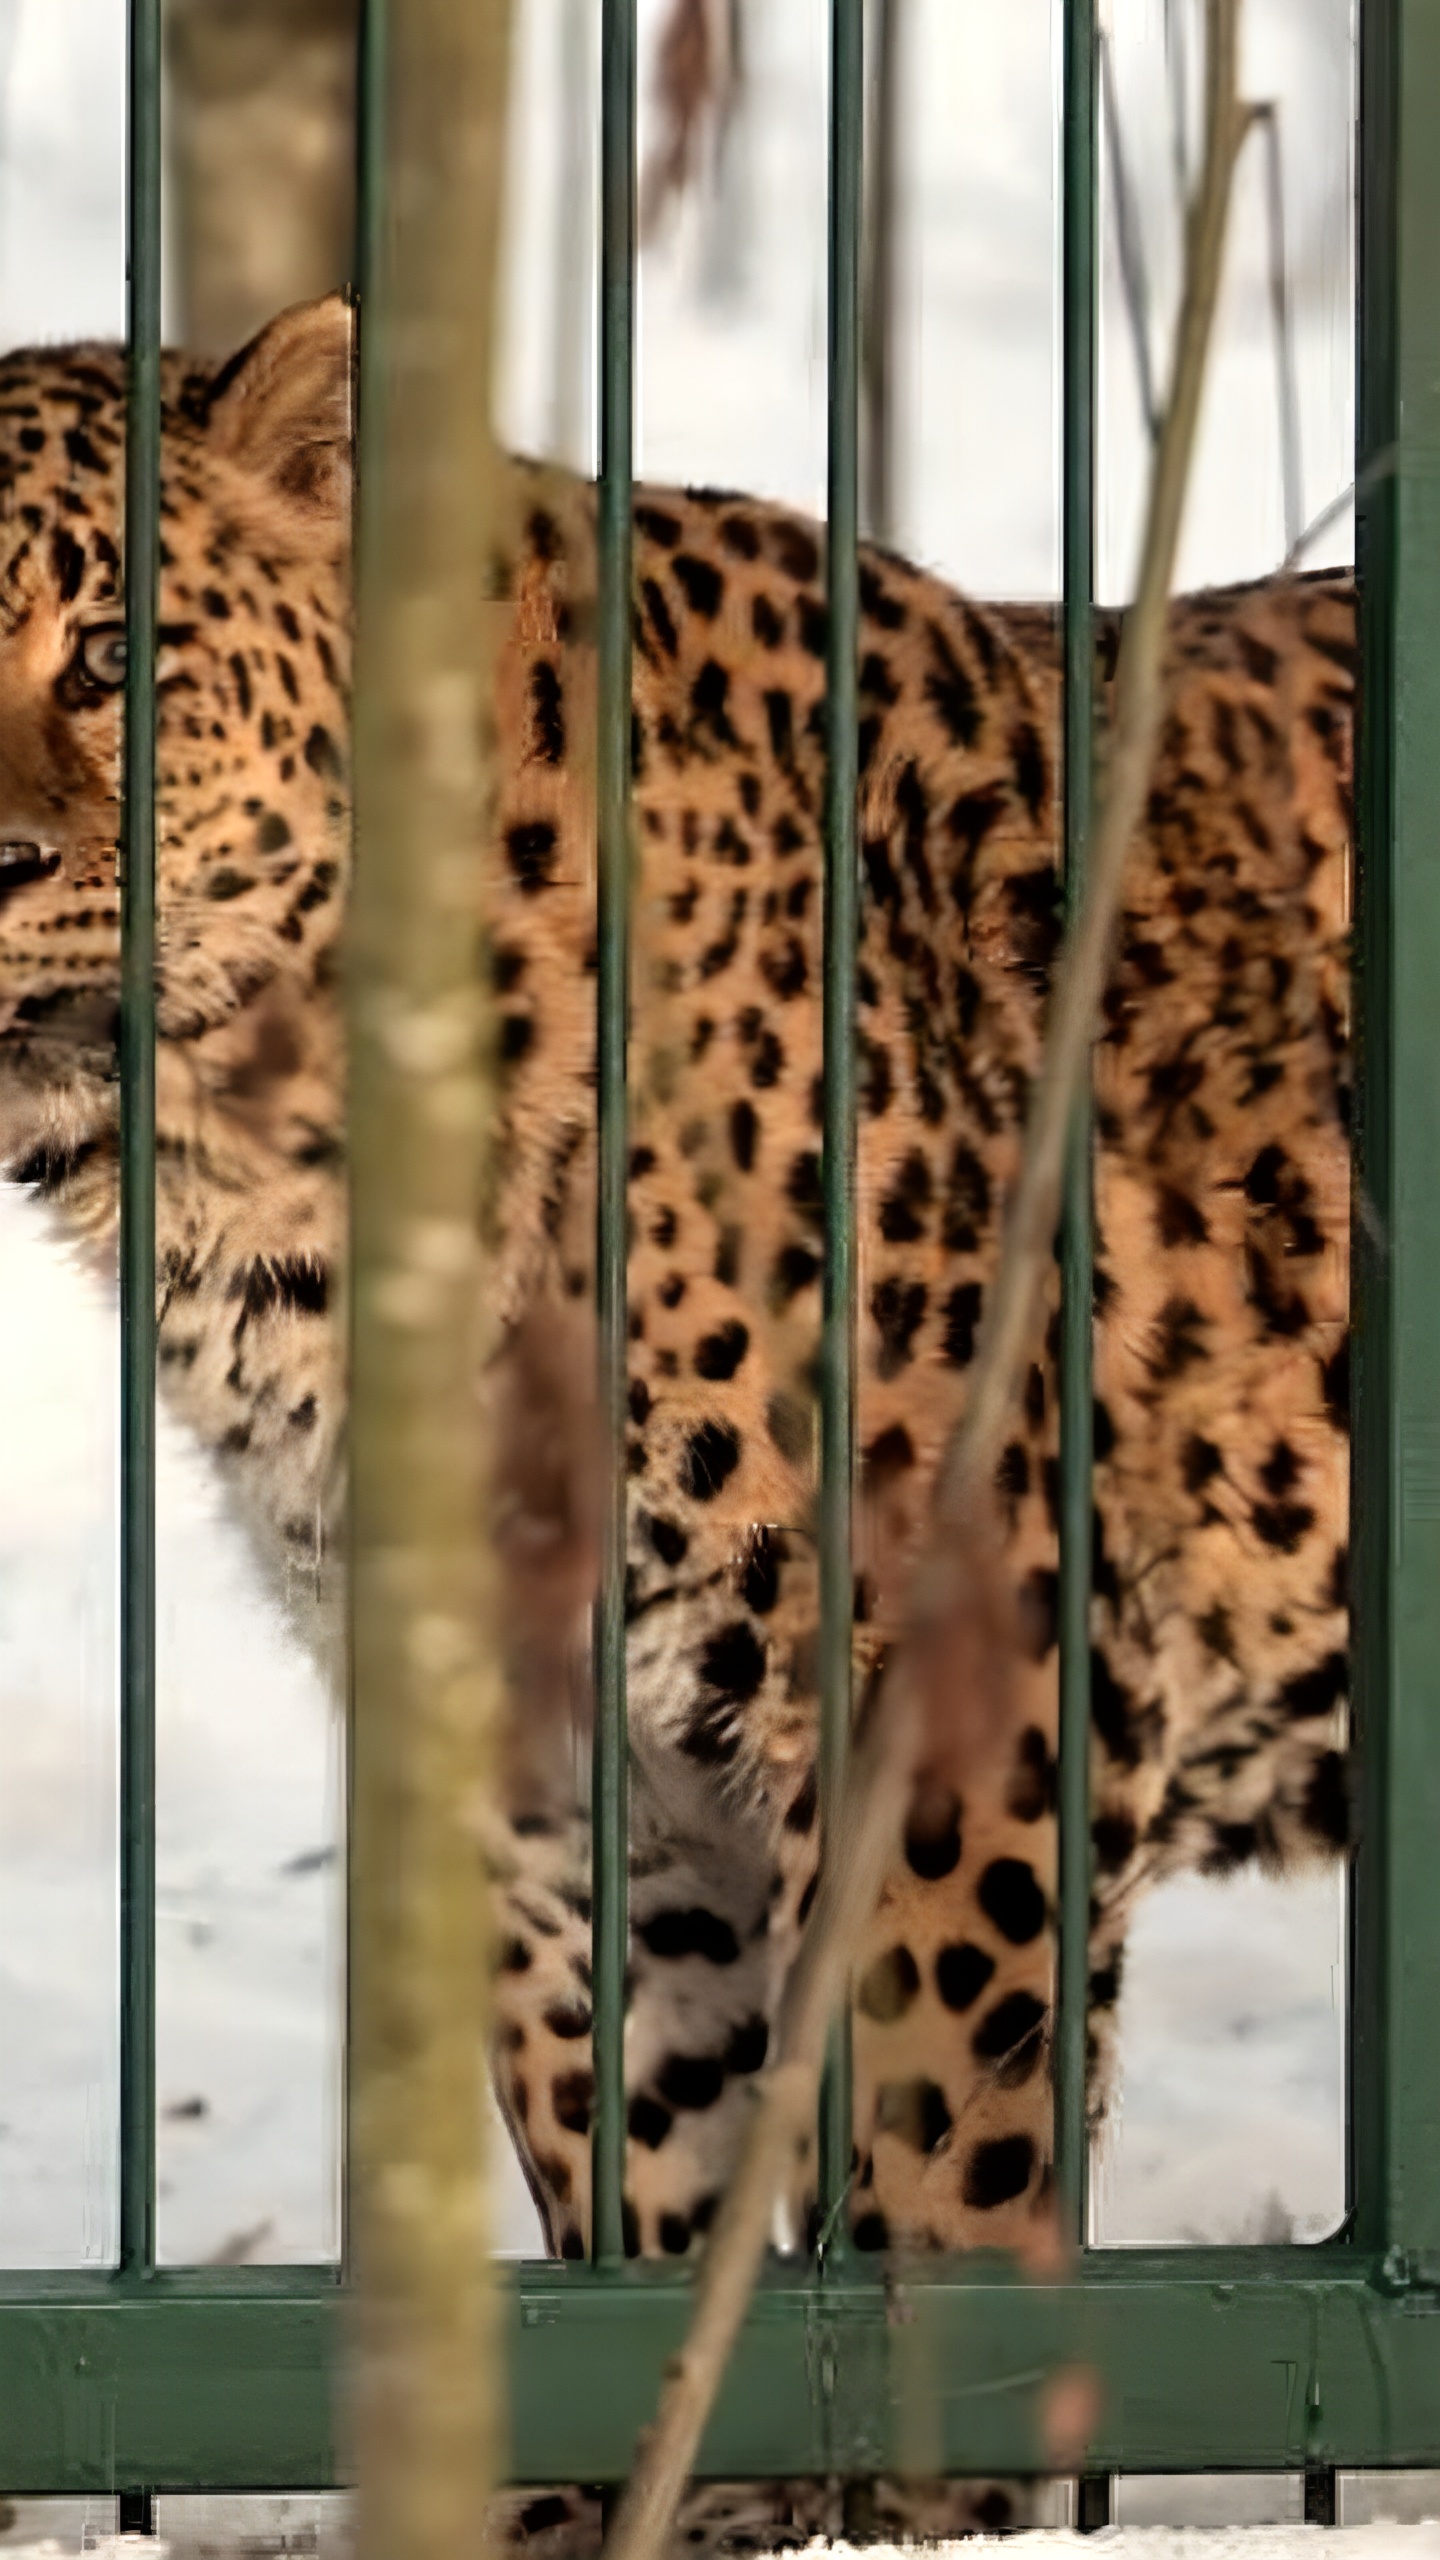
(262, 96)
(426, 2389)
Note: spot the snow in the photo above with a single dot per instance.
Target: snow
(196, 2528)
(248, 1914)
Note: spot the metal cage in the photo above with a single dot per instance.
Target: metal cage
(141, 2379)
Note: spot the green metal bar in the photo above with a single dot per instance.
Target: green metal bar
(1079, 168)
(1372, 1461)
(173, 2381)
(1256, 2360)
(1396, 2069)
(617, 434)
(1252, 2359)
(841, 940)
(369, 279)
(137, 1149)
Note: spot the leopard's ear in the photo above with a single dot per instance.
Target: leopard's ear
(281, 410)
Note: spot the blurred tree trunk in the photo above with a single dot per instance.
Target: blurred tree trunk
(262, 100)
(885, 35)
(572, 396)
(426, 2398)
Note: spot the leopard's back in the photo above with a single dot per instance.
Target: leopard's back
(1222, 1189)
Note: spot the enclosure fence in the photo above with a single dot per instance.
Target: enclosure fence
(142, 2378)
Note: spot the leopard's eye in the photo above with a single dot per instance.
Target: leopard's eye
(101, 654)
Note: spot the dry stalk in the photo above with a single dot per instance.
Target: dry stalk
(697, 88)
(1034, 1208)
(424, 2387)
(861, 1850)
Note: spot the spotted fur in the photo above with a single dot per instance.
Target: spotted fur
(1219, 1622)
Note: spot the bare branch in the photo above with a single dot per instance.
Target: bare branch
(1005, 1348)
(1177, 66)
(1130, 247)
(697, 85)
(950, 1595)
(1378, 468)
(1266, 119)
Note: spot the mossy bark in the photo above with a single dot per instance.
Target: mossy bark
(262, 104)
(425, 2404)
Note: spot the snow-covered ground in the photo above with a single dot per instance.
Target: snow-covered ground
(1231, 2120)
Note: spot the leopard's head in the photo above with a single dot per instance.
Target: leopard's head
(252, 805)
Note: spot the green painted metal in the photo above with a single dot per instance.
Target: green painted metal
(1396, 2067)
(169, 2382)
(617, 436)
(368, 261)
(1372, 1456)
(841, 932)
(1241, 2359)
(1227, 2359)
(137, 1151)
(1079, 168)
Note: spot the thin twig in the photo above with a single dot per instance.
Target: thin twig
(698, 74)
(781, 2125)
(1378, 468)
(1178, 71)
(1266, 119)
(1129, 245)
(1005, 1348)
(861, 1849)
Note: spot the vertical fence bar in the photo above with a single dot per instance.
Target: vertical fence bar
(1078, 179)
(1396, 1485)
(617, 415)
(137, 1149)
(368, 258)
(1372, 1461)
(841, 932)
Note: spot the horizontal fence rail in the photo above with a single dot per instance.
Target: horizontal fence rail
(141, 2379)
(1240, 2359)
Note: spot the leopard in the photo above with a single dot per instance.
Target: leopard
(1221, 1179)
